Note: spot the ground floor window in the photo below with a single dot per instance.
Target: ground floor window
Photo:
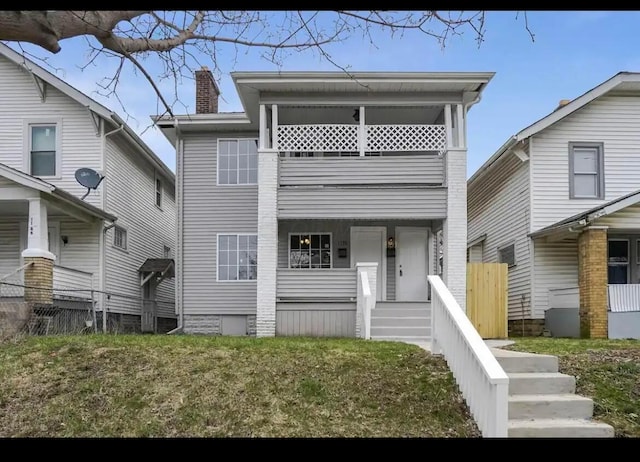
(618, 261)
(237, 257)
(310, 250)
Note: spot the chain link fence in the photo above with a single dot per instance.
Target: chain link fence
(26, 310)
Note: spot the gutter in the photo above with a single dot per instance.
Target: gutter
(178, 195)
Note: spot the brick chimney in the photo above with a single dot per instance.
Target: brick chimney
(207, 92)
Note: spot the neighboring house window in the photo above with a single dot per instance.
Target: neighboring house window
(166, 251)
(158, 192)
(237, 257)
(618, 261)
(120, 237)
(507, 255)
(586, 169)
(238, 161)
(42, 149)
(310, 250)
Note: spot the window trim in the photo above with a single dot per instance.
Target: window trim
(234, 281)
(257, 140)
(42, 121)
(126, 234)
(157, 178)
(329, 233)
(600, 174)
(504, 246)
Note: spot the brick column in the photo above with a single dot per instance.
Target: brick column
(593, 281)
(267, 242)
(455, 225)
(38, 280)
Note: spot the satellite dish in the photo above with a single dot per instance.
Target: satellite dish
(88, 178)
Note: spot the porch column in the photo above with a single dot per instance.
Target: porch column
(38, 277)
(267, 242)
(372, 276)
(455, 225)
(593, 281)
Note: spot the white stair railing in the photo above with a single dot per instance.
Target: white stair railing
(368, 302)
(482, 381)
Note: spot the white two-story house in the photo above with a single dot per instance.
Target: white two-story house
(558, 202)
(323, 177)
(112, 245)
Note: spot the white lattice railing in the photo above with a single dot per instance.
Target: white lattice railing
(482, 381)
(406, 138)
(376, 138)
(325, 138)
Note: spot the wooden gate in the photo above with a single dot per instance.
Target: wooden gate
(487, 298)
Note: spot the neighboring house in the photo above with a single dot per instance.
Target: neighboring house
(119, 240)
(560, 203)
(325, 177)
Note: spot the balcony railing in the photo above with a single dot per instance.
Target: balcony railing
(356, 138)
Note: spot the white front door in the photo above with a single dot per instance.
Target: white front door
(412, 262)
(368, 246)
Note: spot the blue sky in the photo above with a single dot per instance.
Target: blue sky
(572, 53)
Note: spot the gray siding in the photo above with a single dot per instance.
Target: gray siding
(20, 102)
(555, 267)
(316, 283)
(130, 194)
(418, 169)
(364, 203)
(613, 120)
(207, 210)
(327, 320)
(498, 206)
(82, 252)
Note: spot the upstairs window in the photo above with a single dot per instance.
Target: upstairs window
(42, 149)
(586, 170)
(237, 161)
(120, 238)
(158, 192)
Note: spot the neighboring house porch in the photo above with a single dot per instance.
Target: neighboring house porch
(597, 255)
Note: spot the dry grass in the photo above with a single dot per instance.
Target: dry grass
(191, 386)
(608, 371)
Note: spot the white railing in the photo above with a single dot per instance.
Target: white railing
(624, 297)
(482, 381)
(376, 138)
(72, 283)
(367, 302)
(14, 282)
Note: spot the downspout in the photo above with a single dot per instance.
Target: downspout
(179, 208)
(106, 228)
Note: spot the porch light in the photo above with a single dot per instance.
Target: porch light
(391, 244)
(305, 240)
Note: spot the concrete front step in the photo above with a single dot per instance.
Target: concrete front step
(530, 383)
(558, 428)
(540, 406)
(406, 321)
(400, 312)
(406, 339)
(401, 305)
(401, 331)
(516, 361)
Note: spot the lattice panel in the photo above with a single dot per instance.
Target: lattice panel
(406, 138)
(325, 137)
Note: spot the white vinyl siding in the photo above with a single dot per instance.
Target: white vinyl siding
(556, 267)
(237, 161)
(237, 257)
(129, 181)
(77, 143)
(610, 120)
(207, 210)
(498, 206)
(586, 167)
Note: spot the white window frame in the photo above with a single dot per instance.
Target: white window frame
(627, 264)
(157, 178)
(27, 137)
(126, 238)
(234, 281)
(599, 173)
(330, 234)
(237, 169)
(501, 248)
